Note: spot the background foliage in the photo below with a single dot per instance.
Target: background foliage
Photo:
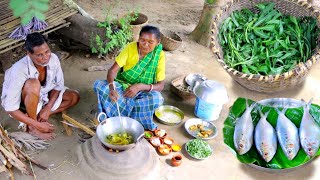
(27, 9)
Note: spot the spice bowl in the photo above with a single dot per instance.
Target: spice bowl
(148, 134)
(176, 147)
(176, 160)
(160, 133)
(167, 140)
(155, 141)
(164, 149)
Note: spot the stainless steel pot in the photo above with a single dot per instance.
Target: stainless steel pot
(112, 126)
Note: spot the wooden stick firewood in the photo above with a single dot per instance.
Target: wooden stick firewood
(79, 125)
(32, 160)
(3, 160)
(15, 161)
(5, 137)
(67, 128)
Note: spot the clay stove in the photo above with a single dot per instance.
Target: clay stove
(96, 162)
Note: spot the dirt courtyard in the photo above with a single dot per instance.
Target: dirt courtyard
(182, 17)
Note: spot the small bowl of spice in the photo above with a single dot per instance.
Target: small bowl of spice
(156, 141)
(164, 149)
(148, 134)
(168, 141)
(160, 133)
(176, 147)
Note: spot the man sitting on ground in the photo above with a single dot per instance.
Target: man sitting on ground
(35, 84)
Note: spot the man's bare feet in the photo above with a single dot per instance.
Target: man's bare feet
(45, 136)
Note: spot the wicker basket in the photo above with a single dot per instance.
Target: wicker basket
(136, 25)
(271, 83)
(176, 87)
(170, 40)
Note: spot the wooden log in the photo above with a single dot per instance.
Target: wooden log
(82, 29)
(79, 125)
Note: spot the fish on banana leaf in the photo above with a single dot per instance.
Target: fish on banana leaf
(309, 132)
(265, 138)
(243, 132)
(288, 135)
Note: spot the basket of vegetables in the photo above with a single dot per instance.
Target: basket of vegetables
(267, 46)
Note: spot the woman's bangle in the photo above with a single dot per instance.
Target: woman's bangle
(112, 85)
(151, 87)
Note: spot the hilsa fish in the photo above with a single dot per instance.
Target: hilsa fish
(309, 132)
(243, 132)
(265, 138)
(288, 135)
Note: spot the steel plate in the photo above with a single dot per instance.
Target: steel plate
(169, 115)
(207, 125)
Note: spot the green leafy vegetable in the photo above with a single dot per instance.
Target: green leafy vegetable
(279, 160)
(268, 42)
(198, 148)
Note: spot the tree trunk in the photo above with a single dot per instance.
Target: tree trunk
(202, 33)
(82, 29)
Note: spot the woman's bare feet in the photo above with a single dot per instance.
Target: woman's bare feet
(45, 136)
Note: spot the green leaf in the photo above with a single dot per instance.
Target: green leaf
(39, 5)
(263, 69)
(267, 28)
(261, 34)
(39, 15)
(19, 11)
(27, 17)
(14, 4)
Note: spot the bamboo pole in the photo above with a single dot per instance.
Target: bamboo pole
(8, 41)
(9, 27)
(20, 44)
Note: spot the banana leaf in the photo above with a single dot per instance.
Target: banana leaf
(279, 161)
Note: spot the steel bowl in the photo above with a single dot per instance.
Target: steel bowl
(165, 113)
(211, 92)
(113, 126)
(206, 124)
(191, 79)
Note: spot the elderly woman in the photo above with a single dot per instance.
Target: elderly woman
(135, 80)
